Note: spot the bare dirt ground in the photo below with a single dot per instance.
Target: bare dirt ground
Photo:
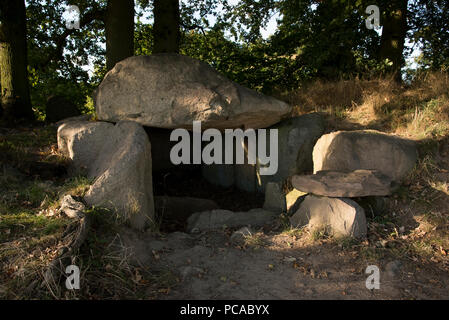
(278, 266)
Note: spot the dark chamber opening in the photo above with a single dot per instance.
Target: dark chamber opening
(187, 181)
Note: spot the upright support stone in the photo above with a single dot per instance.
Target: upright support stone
(275, 199)
(296, 138)
(118, 159)
(339, 216)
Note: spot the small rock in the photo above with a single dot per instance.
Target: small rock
(393, 268)
(218, 219)
(296, 137)
(240, 235)
(72, 208)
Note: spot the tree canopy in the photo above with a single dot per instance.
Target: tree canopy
(313, 40)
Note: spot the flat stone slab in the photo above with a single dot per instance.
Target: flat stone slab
(358, 183)
(180, 208)
(219, 219)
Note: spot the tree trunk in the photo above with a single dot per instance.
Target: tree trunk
(15, 92)
(166, 26)
(393, 35)
(119, 27)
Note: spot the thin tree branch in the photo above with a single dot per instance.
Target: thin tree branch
(60, 40)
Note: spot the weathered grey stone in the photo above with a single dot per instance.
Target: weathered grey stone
(358, 183)
(341, 216)
(292, 197)
(218, 219)
(274, 198)
(123, 175)
(365, 149)
(171, 91)
(219, 174)
(82, 141)
(118, 158)
(83, 117)
(72, 208)
(240, 235)
(242, 176)
(180, 208)
(245, 178)
(296, 139)
(293, 200)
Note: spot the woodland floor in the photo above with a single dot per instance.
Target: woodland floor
(408, 232)
(408, 241)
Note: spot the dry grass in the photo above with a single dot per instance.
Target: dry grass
(417, 111)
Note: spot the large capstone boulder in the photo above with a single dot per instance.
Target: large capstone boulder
(347, 151)
(338, 216)
(169, 90)
(118, 160)
(358, 183)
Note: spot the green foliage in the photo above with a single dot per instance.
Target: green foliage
(429, 29)
(55, 61)
(29, 225)
(314, 40)
(328, 40)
